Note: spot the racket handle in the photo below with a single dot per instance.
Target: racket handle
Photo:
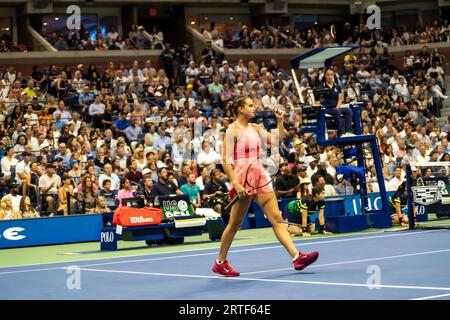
(232, 202)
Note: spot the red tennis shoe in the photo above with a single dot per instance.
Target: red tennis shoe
(224, 269)
(305, 259)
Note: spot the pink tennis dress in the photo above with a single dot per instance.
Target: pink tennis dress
(246, 150)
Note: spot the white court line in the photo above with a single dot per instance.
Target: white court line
(252, 249)
(266, 280)
(215, 253)
(355, 261)
(432, 297)
(296, 242)
(180, 251)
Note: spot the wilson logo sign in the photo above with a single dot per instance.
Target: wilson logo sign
(141, 220)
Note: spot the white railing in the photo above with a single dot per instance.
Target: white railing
(40, 40)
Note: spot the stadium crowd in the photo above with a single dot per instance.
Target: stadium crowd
(79, 140)
(81, 39)
(9, 45)
(318, 35)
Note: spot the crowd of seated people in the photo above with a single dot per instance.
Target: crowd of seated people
(318, 35)
(77, 140)
(9, 45)
(113, 40)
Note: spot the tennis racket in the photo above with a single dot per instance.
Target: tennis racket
(260, 173)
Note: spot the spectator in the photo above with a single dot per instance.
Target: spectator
(286, 185)
(8, 162)
(96, 111)
(87, 198)
(162, 141)
(269, 102)
(113, 178)
(101, 159)
(48, 185)
(146, 193)
(343, 186)
(7, 212)
(102, 206)
(23, 169)
(157, 38)
(61, 44)
(14, 196)
(133, 131)
(207, 157)
(216, 193)
(109, 195)
(66, 197)
(329, 188)
(26, 210)
(133, 175)
(121, 123)
(163, 187)
(167, 59)
(192, 190)
(396, 181)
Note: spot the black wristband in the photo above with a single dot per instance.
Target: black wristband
(303, 229)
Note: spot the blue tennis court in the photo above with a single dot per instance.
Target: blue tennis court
(379, 265)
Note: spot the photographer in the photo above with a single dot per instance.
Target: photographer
(216, 193)
(287, 185)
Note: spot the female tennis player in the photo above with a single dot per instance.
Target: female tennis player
(242, 145)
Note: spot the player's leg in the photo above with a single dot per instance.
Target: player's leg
(238, 212)
(269, 205)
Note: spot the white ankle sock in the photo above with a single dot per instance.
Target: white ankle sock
(219, 262)
(296, 256)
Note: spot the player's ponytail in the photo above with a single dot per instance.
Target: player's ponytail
(234, 106)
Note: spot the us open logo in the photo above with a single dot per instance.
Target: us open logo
(182, 205)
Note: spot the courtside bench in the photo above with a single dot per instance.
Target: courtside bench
(163, 233)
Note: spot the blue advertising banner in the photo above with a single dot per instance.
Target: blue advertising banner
(83, 228)
(54, 230)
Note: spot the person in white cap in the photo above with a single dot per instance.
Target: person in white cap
(433, 140)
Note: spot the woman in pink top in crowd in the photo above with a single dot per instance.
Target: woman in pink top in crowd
(125, 191)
